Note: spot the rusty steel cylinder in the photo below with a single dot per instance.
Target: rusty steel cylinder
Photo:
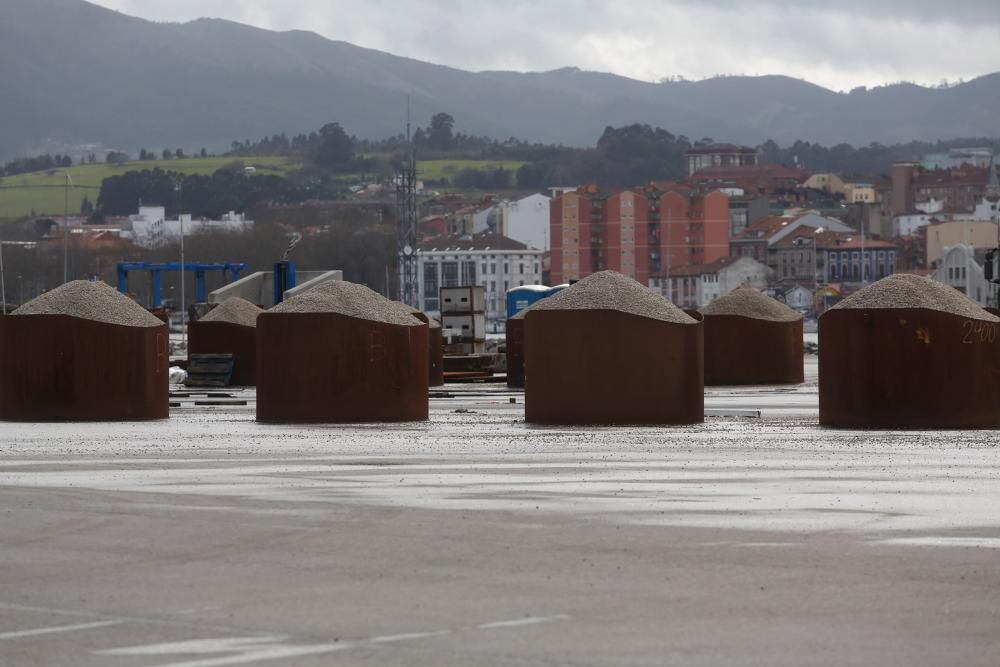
(610, 367)
(64, 368)
(435, 339)
(908, 368)
(749, 351)
(332, 368)
(227, 338)
(515, 352)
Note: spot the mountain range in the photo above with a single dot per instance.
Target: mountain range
(73, 73)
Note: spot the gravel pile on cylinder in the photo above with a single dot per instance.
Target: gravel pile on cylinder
(751, 338)
(435, 341)
(234, 310)
(83, 352)
(610, 351)
(341, 353)
(94, 301)
(229, 328)
(908, 352)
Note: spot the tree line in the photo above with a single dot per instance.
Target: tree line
(208, 196)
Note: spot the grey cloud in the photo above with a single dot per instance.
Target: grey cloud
(837, 44)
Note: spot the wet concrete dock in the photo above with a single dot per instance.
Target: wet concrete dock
(475, 539)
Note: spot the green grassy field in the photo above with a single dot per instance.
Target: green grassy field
(434, 170)
(43, 192)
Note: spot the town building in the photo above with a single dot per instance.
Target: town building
(961, 267)
(150, 227)
(720, 155)
(842, 257)
(744, 209)
(495, 262)
(956, 157)
(696, 286)
(640, 234)
(954, 190)
(943, 235)
(799, 297)
(525, 220)
(766, 242)
(829, 183)
(771, 180)
(860, 193)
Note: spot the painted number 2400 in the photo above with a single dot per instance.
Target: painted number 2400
(979, 332)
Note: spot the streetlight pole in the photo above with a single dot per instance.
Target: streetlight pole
(864, 261)
(69, 181)
(819, 230)
(180, 217)
(3, 283)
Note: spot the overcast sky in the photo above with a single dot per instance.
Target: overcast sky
(839, 44)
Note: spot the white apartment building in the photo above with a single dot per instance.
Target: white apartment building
(961, 267)
(525, 220)
(495, 262)
(151, 229)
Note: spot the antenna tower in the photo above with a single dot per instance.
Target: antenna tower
(407, 232)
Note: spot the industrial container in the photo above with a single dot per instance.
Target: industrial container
(62, 368)
(470, 327)
(463, 300)
(519, 298)
(597, 354)
(324, 356)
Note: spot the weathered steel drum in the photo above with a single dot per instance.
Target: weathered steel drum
(515, 352)
(908, 368)
(610, 367)
(331, 368)
(63, 368)
(227, 338)
(745, 350)
(435, 359)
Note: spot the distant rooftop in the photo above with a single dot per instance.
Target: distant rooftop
(482, 241)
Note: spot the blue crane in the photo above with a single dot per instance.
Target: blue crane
(233, 268)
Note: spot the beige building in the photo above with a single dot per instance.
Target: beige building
(827, 182)
(944, 235)
(860, 193)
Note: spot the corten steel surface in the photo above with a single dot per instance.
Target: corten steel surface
(61, 368)
(608, 367)
(908, 368)
(515, 353)
(745, 350)
(227, 338)
(328, 368)
(435, 360)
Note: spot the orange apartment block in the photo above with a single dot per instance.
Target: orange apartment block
(640, 234)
